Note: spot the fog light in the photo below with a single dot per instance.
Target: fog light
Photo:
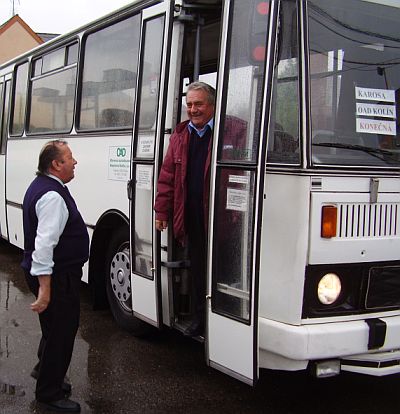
(326, 369)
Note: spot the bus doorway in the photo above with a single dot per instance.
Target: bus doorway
(198, 28)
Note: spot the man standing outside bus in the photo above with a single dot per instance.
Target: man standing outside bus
(183, 188)
(56, 247)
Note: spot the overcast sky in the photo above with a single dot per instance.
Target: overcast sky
(58, 16)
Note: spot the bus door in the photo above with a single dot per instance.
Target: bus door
(4, 109)
(236, 190)
(148, 130)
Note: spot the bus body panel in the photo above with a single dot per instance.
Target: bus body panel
(284, 242)
(3, 217)
(96, 162)
(367, 232)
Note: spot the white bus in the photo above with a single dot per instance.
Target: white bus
(304, 221)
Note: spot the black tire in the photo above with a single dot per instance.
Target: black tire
(118, 284)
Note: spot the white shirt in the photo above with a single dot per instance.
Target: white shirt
(52, 214)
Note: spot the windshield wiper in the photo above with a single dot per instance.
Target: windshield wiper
(375, 152)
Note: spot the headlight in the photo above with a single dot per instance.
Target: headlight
(329, 288)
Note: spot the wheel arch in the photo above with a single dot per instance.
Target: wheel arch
(108, 223)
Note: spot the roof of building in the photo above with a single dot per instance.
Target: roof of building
(47, 36)
(39, 37)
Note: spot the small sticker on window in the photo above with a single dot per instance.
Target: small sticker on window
(237, 199)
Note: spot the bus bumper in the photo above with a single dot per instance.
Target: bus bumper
(290, 347)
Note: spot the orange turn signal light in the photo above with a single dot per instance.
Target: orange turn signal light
(328, 221)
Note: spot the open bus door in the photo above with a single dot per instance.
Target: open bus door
(236, 193)
(148, 130)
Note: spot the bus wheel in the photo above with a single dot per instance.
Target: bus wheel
(118, 284)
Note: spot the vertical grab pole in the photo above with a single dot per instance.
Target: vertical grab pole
(196, 63)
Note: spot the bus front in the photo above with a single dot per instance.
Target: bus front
(330, 252)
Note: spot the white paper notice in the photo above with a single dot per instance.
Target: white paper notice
(239, 179)
(144, 177)
(145, 146)
(369, 94)
(374, 126)
(237, 199)
(375, 110)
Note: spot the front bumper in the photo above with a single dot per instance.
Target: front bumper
(291, 347)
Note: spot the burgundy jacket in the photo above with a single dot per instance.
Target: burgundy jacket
(171, 188)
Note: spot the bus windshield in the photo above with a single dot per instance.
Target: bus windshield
(355, 82)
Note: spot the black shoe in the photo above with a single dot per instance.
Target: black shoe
(194, 329)
(65, 386)
(62, 406)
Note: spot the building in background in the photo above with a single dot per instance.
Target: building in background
(16, 37)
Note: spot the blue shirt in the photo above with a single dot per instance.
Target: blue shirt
(52, 214)
(201, 132)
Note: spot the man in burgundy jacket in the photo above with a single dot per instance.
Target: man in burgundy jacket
(183, 188)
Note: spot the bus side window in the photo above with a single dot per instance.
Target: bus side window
(19, 104)
(4, 118)
(110, 61)
(283, 142)
(52, 100)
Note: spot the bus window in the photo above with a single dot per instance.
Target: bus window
(53, 60)
(151, 69)
(53, 92)
(354, 84)
(4, 119)
(109, 76)
(283, 137)
(20, 93)
(72, 54)
(244, 90)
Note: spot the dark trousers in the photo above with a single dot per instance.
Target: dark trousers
(59, 324)
(198, 258)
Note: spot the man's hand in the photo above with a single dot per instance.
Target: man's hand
(161, 225)
(43, 299)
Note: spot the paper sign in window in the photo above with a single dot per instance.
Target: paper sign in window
(369, 94)
(145, 146)
(374, 126)
(237, 200)
(144, 177)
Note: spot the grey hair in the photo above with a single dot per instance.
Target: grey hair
(202, 86)
(51, 151)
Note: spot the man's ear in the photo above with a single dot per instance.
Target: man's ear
(55, 165)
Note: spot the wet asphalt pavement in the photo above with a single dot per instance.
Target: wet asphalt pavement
(114, 372)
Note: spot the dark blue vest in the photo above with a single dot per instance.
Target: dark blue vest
(72, 250)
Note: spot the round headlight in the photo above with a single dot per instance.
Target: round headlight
(329, 288)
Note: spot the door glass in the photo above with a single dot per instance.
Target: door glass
(241, 124)
(283, 139)
(146, 137)
(233, 243)
(143, 220)
(149, 90)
